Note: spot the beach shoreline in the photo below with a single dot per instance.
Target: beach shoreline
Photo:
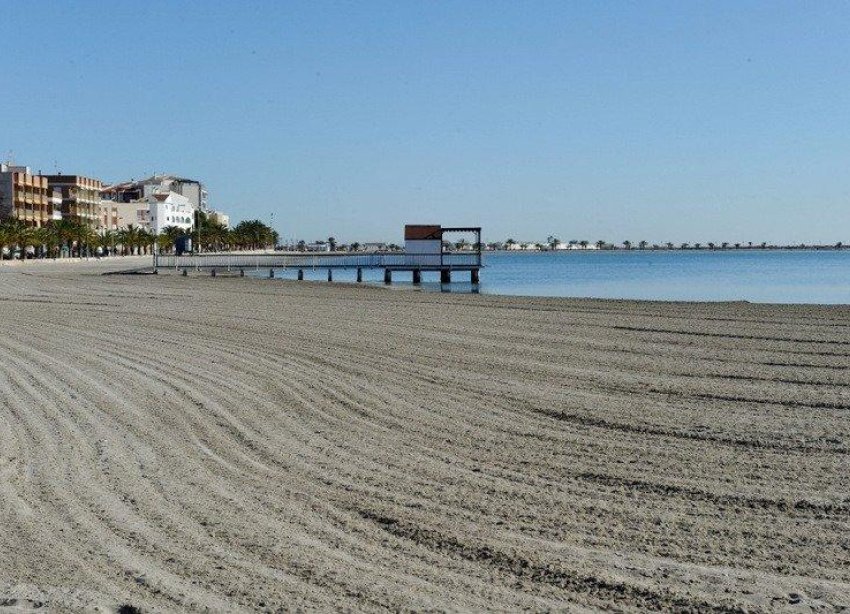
(227, 444)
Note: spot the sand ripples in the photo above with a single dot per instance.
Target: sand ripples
(239, 444)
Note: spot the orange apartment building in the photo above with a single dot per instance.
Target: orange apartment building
(26, 197)
(80, 197)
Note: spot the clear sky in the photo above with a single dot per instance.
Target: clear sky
(679, 121)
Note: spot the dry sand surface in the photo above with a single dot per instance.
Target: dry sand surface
(233, 444)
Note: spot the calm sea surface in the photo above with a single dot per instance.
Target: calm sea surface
(774, 276)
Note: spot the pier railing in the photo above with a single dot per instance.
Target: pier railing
(374, 260)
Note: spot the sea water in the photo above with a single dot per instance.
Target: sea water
(764, 276)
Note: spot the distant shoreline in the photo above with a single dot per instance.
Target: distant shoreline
(777, 248)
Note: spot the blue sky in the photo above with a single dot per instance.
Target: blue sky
(680, 121)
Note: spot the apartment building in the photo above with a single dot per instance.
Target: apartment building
(120, 216)
(25, 197)
(129, 191)
(80, 197)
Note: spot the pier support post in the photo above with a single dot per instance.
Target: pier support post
(388, 276)
(359, 275)
(445, 276)
(300, 274)
(417, 277)
(330, 275)
(212, 272)
(474, 276)
(271, 273)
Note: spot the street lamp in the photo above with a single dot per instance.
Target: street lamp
(198, 230)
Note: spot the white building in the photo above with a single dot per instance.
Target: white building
(170, 209)
(219, 217)
(139, 190)
(373, 246)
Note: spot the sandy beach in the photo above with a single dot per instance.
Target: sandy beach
(230, 444)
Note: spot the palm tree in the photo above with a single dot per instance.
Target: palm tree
(627, 244)
(45, 240)
(122, 238)
(19, 235)
(669, 245)
(65, 233)
(146, 241)
(253, 234)
(642, 245)
(168, 237)
(216, 236)
(84, 236)
(16, 234)
(42, 239)
(129, 240)
(5, 238)
(600, 244)
(164, 243)
(70, 233)
(552, 241)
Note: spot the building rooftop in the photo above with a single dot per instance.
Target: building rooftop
(153, 179)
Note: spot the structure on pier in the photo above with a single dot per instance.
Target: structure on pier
(424, 251)
(425, 245)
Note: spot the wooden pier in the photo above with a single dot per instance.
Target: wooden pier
(447, 264)
(424, 251)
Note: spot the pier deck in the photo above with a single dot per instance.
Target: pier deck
(445, 263)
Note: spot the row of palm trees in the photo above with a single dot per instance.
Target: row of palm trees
(71, 239)
(248, 234)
